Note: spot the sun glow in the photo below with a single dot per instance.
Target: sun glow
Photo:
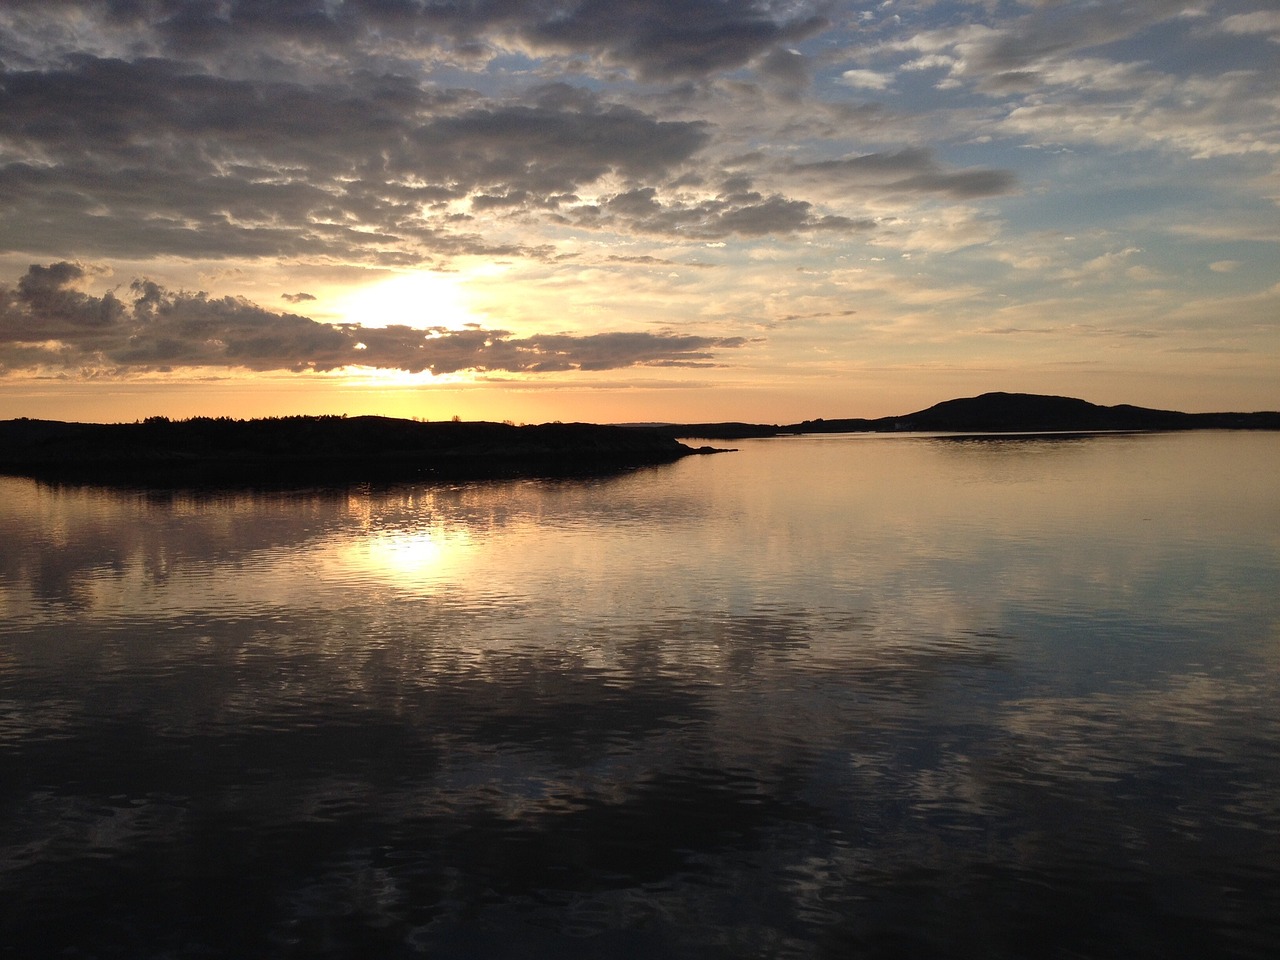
(421, 299)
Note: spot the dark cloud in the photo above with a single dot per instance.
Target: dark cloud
(46, 322)
(450, 351)
(963, 185)
(46, 298)
(309, 130)
(771, 215)
(742, 213)
(146, 158)
(786, 67)
(296, 297)
(548, 147)
(1013, 81)
(655, 39)
(670, 39)
(911, 170)
(635, 203)
(153, 110)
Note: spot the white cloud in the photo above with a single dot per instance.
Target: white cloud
(932, 61)
(1261, 21)
(866, 79)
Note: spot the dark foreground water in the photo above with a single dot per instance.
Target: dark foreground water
(847, 697)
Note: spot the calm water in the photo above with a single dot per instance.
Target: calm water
(846, 696)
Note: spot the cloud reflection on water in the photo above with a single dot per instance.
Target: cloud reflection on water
(867, 703)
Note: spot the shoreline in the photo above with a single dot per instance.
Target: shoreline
(288, 451)
(322, 450)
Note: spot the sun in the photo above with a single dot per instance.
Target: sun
(420, 299)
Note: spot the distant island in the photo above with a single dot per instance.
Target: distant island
(329, 449)
(997, 413)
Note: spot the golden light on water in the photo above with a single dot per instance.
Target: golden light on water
(402, 557)
(412, 559)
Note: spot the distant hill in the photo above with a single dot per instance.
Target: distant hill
(294, 450)
(1000, 413)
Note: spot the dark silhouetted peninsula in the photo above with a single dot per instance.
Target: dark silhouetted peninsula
(324, 449)
(997, 413)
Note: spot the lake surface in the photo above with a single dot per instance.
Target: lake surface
(859, 696)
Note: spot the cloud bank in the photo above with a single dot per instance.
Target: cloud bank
(311, 130)
(49, 325)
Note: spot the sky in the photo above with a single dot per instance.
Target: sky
(635, 210)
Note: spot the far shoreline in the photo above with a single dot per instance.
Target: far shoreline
(320, 450)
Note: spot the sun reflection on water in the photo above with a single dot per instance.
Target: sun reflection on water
(394, 542)
(402, 556)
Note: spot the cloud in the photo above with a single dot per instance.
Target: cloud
(563, 142)
(736, 212)
(296, 297)
(1055, 30)
(789, 68)
(866, 79)
(668, 39)
(1198, 117)
(931, 61)
(49, 291)
(316, 132)
(1016, 51)
(739, 210)
(1091, 74)
(47, 323)
(913, 170)
(145, 158)
(660, 40)
(1260, 21)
